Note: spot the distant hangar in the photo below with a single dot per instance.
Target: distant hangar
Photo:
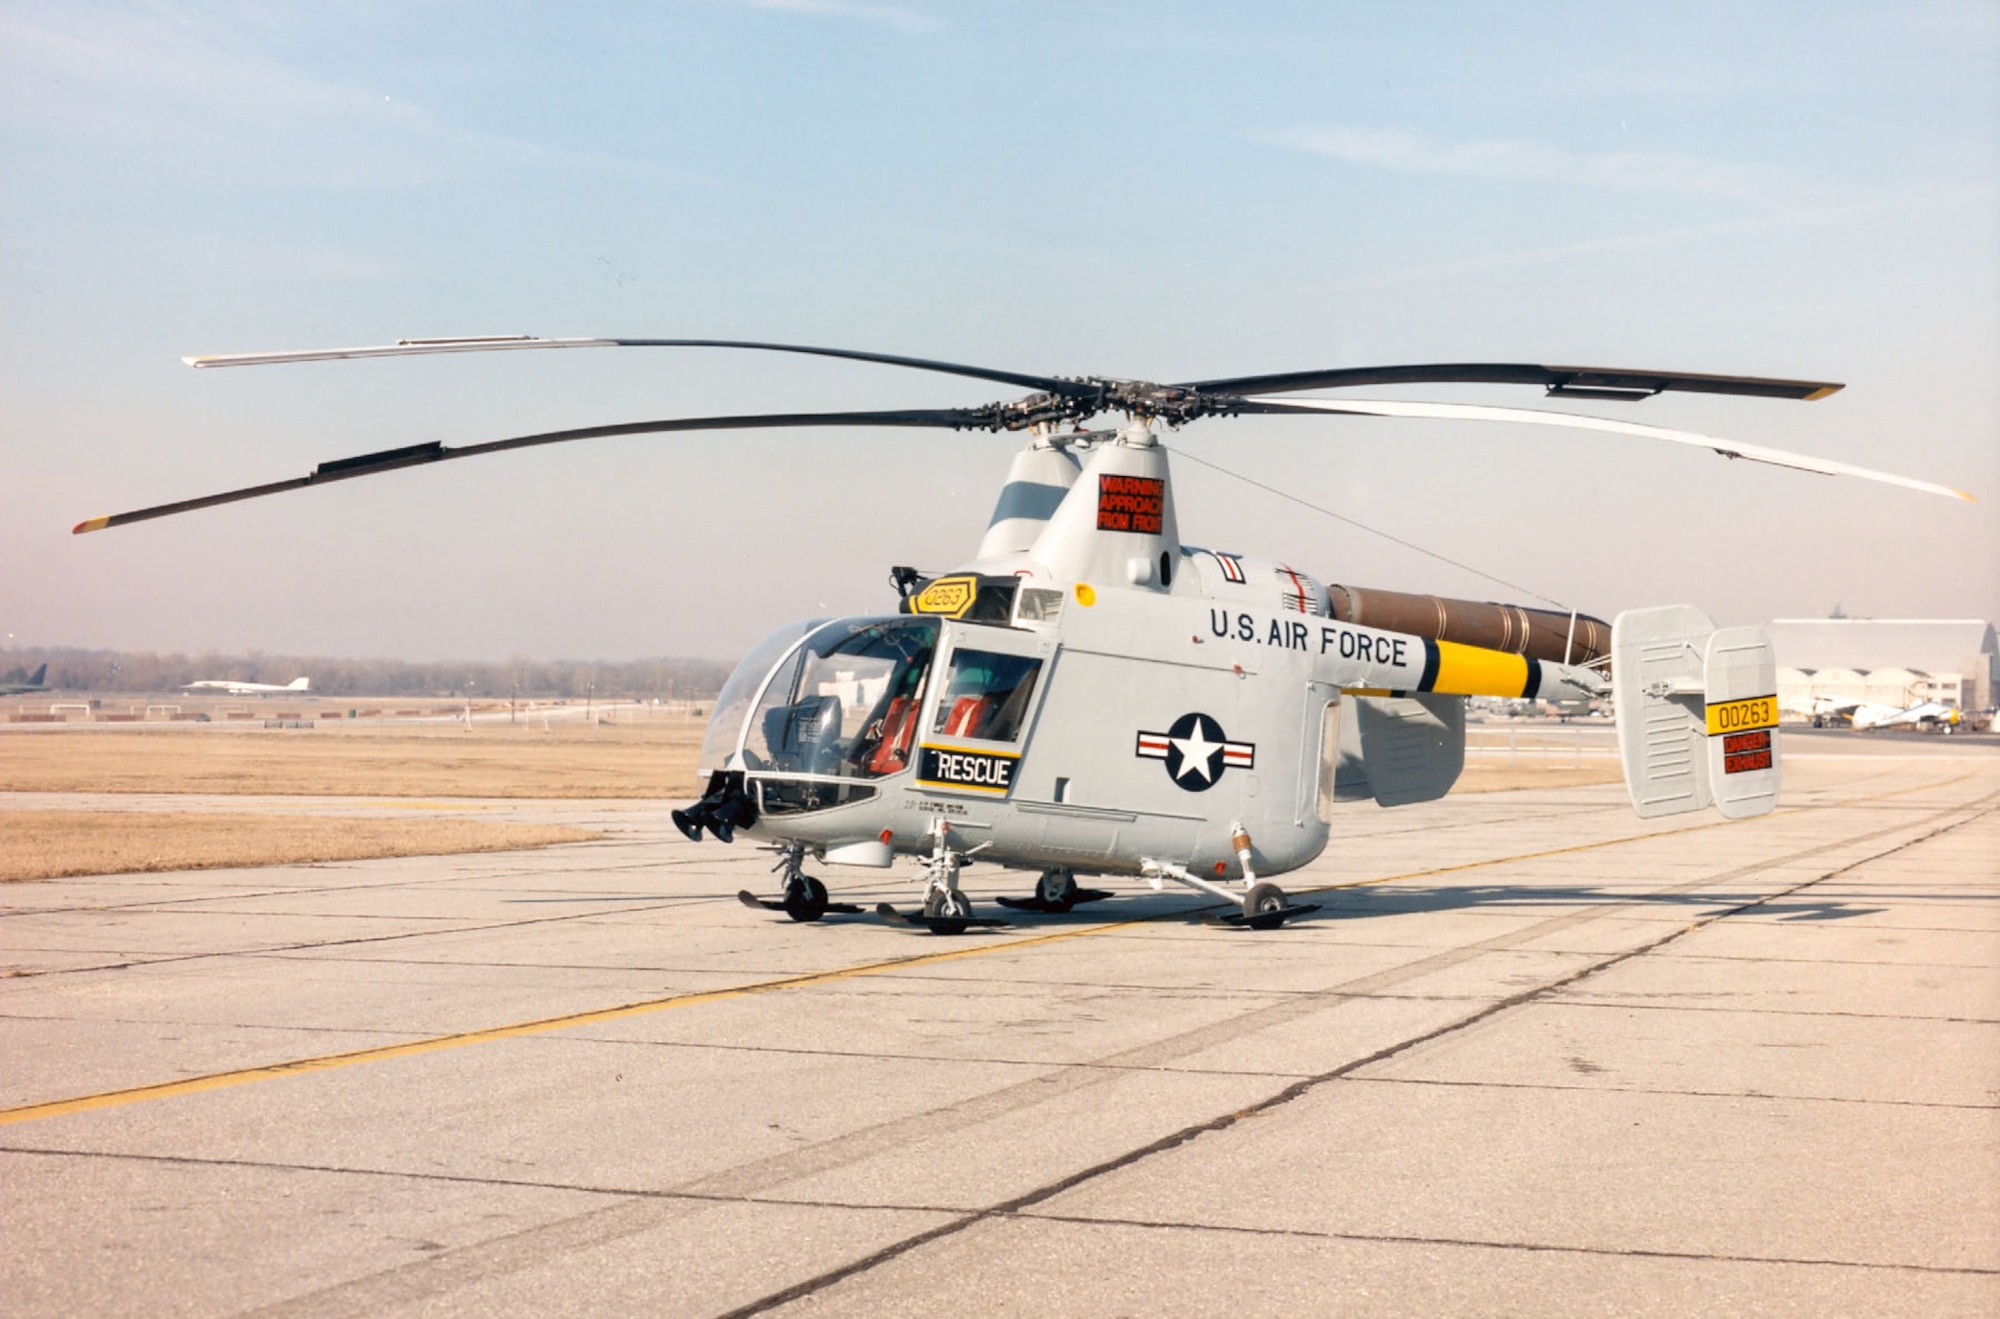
(1886, 661)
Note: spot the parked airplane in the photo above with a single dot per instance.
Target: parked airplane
(20, 680)
(1931, 716)
(245, 688)
(1826, 711)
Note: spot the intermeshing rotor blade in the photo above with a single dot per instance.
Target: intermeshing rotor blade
(1561, 381)
(1535, 417)
(503, 342)
(415, 455)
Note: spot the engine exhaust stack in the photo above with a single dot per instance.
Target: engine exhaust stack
(1539, 634)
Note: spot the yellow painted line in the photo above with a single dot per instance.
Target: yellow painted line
(520, 1030)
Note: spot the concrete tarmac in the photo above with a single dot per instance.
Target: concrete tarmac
(1533, 1056)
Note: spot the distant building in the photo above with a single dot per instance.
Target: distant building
(1886, 661)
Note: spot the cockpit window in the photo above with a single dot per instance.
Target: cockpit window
(987, 696)
(725, 727)
(844, 705)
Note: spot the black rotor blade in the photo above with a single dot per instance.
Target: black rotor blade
(1596, 382)
(493, 343)
(1051, 384)
(415, 455)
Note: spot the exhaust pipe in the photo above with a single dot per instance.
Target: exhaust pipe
(1539, 634)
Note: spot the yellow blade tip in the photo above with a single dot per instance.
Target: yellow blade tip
(90, 524)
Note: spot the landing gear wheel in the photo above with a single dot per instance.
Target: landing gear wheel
(805, 900)
(1056, 890)
(1264, 907)
(947, 911)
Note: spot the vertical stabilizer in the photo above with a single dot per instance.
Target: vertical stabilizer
(1697, 713)
(1656, 663)
(1741, 675)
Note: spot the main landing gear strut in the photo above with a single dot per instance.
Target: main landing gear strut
(946, 909)
(1263, 903)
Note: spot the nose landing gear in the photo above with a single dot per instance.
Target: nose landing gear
(805, 897)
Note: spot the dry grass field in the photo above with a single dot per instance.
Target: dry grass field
(40, 844)
(641, 759)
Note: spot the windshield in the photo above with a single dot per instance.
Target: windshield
(725, 726)
(845, 703)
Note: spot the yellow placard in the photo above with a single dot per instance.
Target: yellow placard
(1742, 716)
(947, 597)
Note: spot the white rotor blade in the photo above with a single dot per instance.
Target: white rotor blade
(402, 348)
(1536, 417)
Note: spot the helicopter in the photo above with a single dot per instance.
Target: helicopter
(1089, 695)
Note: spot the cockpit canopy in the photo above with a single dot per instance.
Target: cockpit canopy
(825, 700)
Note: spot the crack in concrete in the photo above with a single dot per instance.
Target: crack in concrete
(1475, 1243)
(1015, 1205)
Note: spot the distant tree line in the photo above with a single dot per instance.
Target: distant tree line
(144, 671)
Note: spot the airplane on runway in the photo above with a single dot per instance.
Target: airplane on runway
(229, 688)
(20, 681)
(1931, 716)
(1089, 694)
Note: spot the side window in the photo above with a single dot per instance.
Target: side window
(987, 695)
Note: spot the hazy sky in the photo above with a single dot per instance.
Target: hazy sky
(1167, 192)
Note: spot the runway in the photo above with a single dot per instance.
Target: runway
(1533, 1055)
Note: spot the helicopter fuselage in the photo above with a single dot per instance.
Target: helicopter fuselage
(1101, 731)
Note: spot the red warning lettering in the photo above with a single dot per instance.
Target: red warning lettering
(1131, 503)
(1737, 743)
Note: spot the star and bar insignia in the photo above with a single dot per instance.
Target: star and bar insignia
(1196, 751)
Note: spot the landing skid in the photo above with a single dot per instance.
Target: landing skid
(805, 897)
(938, 924)
(1269, 919)
(749, 899)
(1039, 903)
